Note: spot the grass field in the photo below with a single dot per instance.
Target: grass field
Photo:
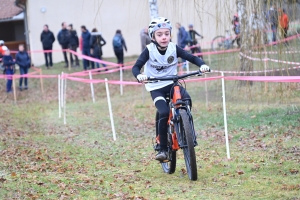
(41, 158)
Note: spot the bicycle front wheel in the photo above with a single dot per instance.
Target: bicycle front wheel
(186, 131)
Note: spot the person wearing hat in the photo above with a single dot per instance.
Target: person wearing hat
(193, 40)
(3, 48)
(8, 64)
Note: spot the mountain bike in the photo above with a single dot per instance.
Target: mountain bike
(222, 42)
(181, 132)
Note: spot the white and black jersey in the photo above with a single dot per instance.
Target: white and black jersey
(162, 63)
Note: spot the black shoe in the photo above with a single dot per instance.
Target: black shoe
(161, 156)
(20, 88)
(156, 147)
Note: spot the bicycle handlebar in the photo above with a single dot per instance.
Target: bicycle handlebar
(175, 77)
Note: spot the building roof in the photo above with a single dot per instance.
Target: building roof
(8, 9)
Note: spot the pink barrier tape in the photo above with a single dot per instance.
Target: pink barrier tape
(216, 52)
(269, 59)
(93, 59)
(28, 76)
(242, 78)
(255, 72)
(276, 52)
(265, 78)
(284, 40)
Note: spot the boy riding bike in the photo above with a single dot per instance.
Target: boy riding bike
(161, 59)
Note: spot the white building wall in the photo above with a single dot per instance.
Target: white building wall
(210, 18)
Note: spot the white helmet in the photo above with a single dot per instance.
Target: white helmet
(158, 23)
(1, 42)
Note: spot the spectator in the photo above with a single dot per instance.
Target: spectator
(273, 19)
(63, 38)
(182, 39)
(47, 39)
(118, 45)
(193, 40)
(74, 43)
(3, 48)
(9, 68)
(145, 39)
(182, 36)
(96, 44)
(237, 30)
(283, 24)
(85, 39)
(23, 60)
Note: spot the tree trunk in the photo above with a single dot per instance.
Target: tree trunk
(246, 65)
(153, 9)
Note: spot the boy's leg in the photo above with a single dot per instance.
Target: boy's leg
(159, 100)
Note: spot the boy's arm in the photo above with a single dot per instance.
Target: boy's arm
(143, 58)
(187, 56)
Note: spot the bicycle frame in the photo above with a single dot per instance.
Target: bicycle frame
(175, 104)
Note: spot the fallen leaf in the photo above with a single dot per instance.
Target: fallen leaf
(240, 172)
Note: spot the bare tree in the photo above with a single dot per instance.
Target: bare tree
(153, 8)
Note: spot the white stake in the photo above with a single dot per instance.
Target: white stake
(206, 92)
(143, 94)
(62, 89)
(187, 67)
(110, 110)
(225, 117)
(121, 79)
(65, 97)
(59, 98)
(92, 87)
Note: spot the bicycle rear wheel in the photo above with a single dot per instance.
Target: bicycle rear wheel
(169, 166)
(186, 131)
(219, 43)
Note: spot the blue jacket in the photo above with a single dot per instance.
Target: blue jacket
(22, 59)
(182, 37)
(86, 36)
(8, 61)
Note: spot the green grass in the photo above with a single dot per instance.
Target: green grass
(41, 158)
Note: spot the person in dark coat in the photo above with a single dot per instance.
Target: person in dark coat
(74, 43)
(118, 45)
(47, 39)
(63, 38)
(273, 19)
(86, 36)
(96, 44)
(9, 68)
(23, 60)
(193, 41)
(145, 39)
